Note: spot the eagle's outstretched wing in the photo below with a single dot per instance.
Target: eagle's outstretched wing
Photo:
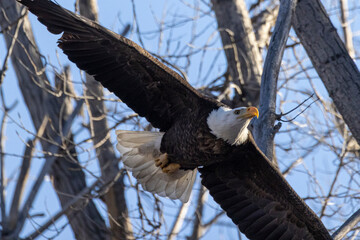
(258, 199)
(146, 85)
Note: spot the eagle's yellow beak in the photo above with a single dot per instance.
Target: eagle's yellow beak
(250, 113)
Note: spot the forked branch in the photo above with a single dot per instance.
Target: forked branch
(264, 131)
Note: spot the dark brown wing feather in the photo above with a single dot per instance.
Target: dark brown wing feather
(258, 199)
(142, 82)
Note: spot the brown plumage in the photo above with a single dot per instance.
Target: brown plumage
(238, 175)
(258, 199)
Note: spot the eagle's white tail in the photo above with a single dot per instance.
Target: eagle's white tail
(139, 151)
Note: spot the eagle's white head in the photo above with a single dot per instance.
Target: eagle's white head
(231, 124)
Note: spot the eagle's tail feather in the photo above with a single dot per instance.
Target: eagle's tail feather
(139, 151)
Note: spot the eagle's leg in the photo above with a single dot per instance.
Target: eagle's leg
(162, 161)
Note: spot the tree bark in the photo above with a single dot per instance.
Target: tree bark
(264, 130)
(241, 49)
(348, 225)
(115, 196)
(68, 178)
(331, 60)
(262, 24)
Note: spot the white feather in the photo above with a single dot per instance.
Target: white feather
(190, 182)
(226, 125)
(139, 151)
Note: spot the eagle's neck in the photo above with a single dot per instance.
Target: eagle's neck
(224, 124)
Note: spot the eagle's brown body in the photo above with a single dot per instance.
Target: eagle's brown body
(196, 145)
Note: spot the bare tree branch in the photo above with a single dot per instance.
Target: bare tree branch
(19, 189)
(5, 219)
(71, 205)
(115, 197)
(46, 168)
(197, 230)
(10, 49)
(264, 131)
(348, 225)
(175, 229)
(263, 24)
(346, 27)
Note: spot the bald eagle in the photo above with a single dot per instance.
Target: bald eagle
(168, 168)
(195, 132)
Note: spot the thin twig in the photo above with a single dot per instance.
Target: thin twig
(2, 173)
(175, 229)
(4, 218)
(299, 113)
(11, 47)
(19, 189)
(49, 161)
(283, 114)
(70, 205)
(198, 229)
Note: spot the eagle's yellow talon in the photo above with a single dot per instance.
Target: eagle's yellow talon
(172, 167)
(162, 161)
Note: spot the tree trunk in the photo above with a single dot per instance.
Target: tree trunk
(67, 177)
(331, 60)
(264, 130)
(241, 49)
(115, 196)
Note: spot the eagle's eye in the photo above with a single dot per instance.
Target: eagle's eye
(237, 112)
